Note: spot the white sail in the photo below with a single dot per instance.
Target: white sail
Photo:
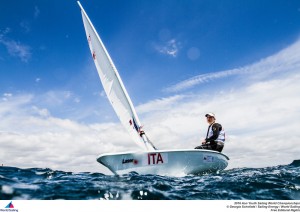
(113, 85)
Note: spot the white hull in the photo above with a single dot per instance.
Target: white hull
(165, 162)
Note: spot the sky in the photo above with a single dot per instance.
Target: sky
(178, 60)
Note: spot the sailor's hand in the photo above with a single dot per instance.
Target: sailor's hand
(204, 141)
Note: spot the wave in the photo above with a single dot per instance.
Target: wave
(270, 183)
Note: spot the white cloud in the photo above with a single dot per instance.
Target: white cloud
(261, 119)
(14, 105)
(202, 78)
(31, 137)
(25, 25)
(283, 61)
(6, 96)
(170, 48)
(76, 100)
(58, 97)
(15, 48)
(158, 104)
(42, 112)
(36, 12)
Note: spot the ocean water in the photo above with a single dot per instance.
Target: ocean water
(270, 183)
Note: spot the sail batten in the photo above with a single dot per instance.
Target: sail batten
(113, 85)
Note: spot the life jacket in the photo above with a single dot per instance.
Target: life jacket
(221, 136)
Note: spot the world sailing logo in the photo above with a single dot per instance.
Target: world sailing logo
(10, 205)
(9, 208)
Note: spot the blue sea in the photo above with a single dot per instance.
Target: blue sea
(270, 183)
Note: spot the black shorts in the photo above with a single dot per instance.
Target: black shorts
(218, 146)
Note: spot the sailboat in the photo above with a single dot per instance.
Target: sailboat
(148, 160)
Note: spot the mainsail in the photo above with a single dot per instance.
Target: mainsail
(113, 85)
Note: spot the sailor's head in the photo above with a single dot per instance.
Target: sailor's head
(210, 117)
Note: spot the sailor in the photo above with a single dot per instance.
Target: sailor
(215, 136)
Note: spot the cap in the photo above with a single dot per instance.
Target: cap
(210, 114)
